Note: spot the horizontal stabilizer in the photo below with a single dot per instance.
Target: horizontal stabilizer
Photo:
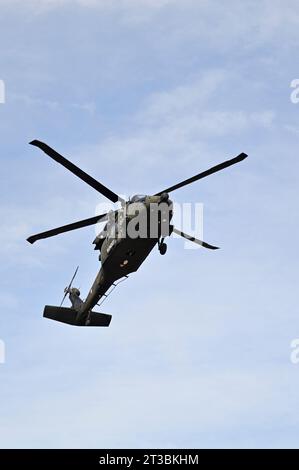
(99, 319)
(69, 316)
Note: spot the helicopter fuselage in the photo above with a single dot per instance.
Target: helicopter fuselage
(125, 244)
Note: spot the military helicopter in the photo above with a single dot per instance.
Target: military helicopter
(121, 252)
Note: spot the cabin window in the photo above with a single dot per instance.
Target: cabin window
(138, 198)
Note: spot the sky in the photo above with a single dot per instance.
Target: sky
(142, 94)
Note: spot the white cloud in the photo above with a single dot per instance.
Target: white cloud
(175, 127)
(210, 20)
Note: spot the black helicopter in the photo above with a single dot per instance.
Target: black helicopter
(121, 251)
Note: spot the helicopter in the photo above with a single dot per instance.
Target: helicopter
(122, 245)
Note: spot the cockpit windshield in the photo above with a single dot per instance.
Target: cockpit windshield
(138, 198)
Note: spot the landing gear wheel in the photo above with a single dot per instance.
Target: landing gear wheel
(163, 248)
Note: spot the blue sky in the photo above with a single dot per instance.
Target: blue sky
(142, 94)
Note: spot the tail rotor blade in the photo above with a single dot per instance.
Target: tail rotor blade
(76, 171)
(208, 172)
(69, 286)
(195, 240)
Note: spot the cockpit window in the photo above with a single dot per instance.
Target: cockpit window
(138, 198)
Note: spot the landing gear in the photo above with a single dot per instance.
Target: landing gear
(162, 247)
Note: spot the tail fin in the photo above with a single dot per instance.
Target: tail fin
(69, 316)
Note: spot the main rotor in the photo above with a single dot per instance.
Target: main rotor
(112, 196)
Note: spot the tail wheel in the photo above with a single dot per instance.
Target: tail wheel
(163, 248)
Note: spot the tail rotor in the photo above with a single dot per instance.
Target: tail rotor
(66, 290)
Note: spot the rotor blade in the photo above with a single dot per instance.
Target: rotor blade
(74, 275)
(195, 240)
(67, 228)
(212, 170)
(63, 299)
(77, 171)
(69, 286)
